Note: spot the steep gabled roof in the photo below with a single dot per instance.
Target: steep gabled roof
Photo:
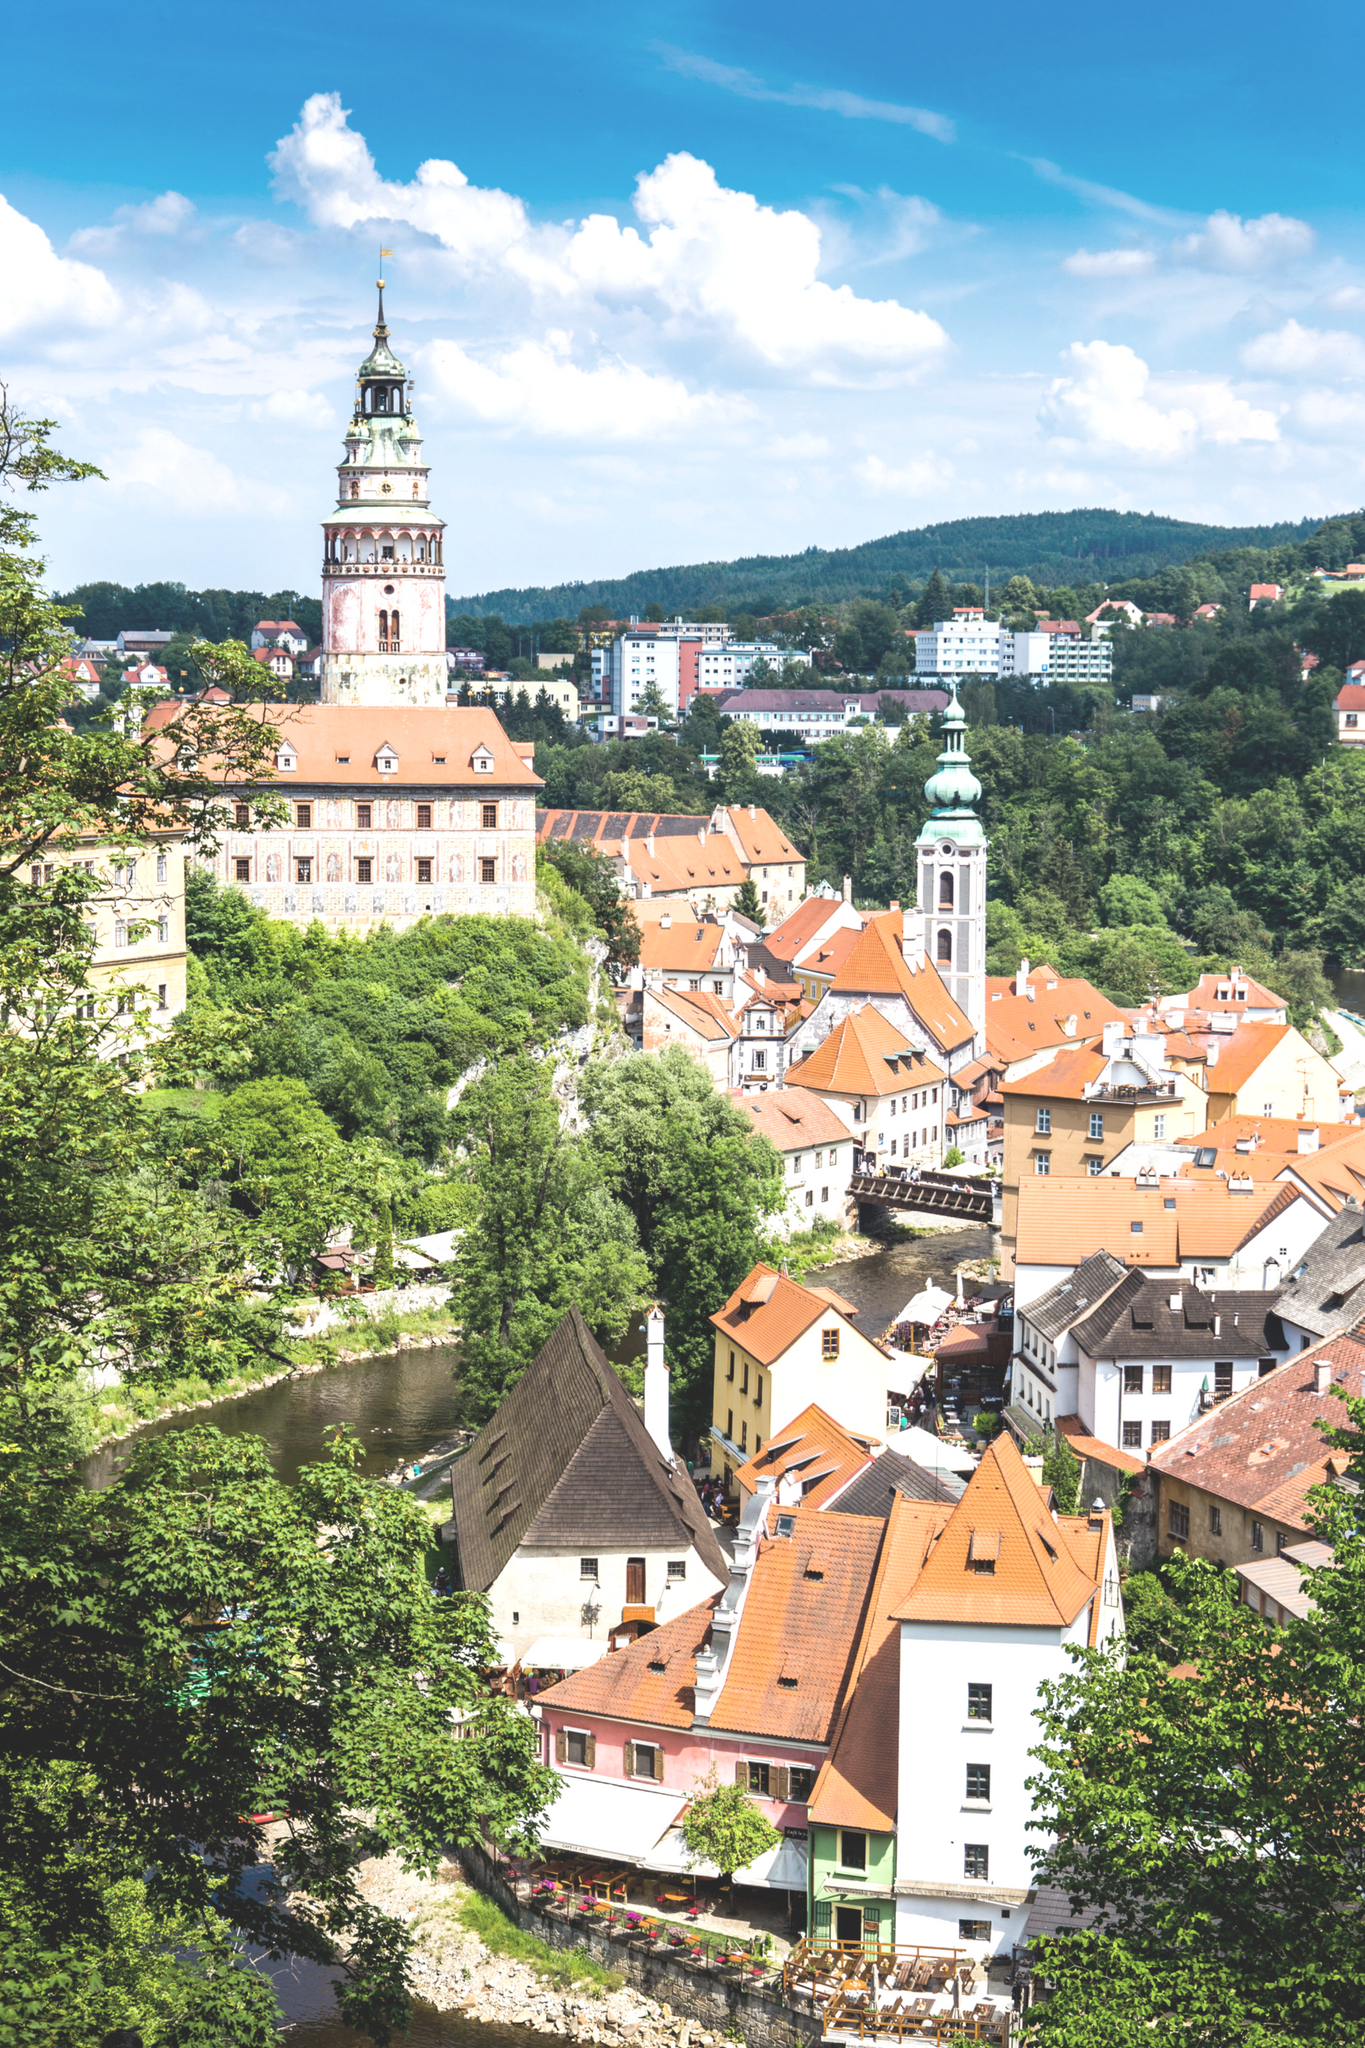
(1333, 1176)
(567, 1461)
(1325, 1294)
(768, 1312)
(857, 1782)
(701, 1012)
(1136, 1320)
(889, 1478)
(876, 966)
(1019, 1025)
(1054, 1312)
(791, 1118)
(684, 946)
(1243, 1054)
(760, 837)
(1003, 1559)
(865, 1054)
(812, 1451)
(653, 1681)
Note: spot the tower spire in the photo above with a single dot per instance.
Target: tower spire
(381, 332)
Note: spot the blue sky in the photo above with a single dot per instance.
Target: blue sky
(680, 281)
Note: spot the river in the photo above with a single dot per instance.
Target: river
(399, 1404)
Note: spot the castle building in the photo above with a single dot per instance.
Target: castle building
(383, 573)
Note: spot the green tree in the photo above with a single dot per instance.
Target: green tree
(697, 1182)
(746, 900)
(722, 1825)
(935, 602)
(1062, 1472)
(1126, 899)
(383, 1243)
(739, 747)
(592, 876)
(546, 1232)
(653, 704)
(286, 1167)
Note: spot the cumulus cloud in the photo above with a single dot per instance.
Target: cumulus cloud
(187, 480)
(537, 385)
(327, 168)
(913, 479)
(296, 409)
(1295, 351)
(1108, 402)
(823, 99)
(169, 214)
(1108, 262)
(56, 290)
(1227, 242)
(708, 258)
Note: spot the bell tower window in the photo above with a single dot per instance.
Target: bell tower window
(945, 890)
(944, 949)
(355, 487)
(395, 638)
(383, 632)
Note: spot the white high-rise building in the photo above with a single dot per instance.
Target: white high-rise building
(972, 645)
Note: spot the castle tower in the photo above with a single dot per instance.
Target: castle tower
(951, 912)
(383, 576)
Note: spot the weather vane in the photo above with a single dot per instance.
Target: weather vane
(382, 254)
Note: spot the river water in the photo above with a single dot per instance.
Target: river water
(399, 1405)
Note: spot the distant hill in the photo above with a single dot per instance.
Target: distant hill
(1050, 547)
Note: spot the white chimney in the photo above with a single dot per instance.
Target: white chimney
(656, 1381)
(1021, 977)
(912, 944)
(649, 844)
(1322, 1376)
(1309, 1140)
(848, 888)
(1069, 1026)
(666, 921)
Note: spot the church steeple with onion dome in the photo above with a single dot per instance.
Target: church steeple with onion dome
(383, 569)
(952, 849)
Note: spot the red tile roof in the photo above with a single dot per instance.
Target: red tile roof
(768, 1312)
(339, 743)
(707, 1015)
(1019, 1025)
(791, 1118)
(814, 1451)
(876, 966)
(681, 947)
(866, 1054)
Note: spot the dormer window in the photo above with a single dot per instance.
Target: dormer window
(386, 761)
(286, 759)
(481, 760)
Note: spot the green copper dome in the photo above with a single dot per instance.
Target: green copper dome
(954, 789)
(381, 361)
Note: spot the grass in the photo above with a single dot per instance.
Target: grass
(559, 1967)
(822, 1245)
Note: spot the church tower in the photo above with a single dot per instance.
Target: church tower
(383, 576)
(950, 917)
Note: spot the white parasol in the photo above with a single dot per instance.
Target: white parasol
(926, 1306)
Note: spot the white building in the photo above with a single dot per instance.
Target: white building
(817, 1155)
(1006, 1591)
(972, 645)
(728, 666)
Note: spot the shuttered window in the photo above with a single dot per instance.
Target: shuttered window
(576, 1746)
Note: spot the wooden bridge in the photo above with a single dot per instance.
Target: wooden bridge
(935, 1194)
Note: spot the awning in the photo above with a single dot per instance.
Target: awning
(926, 1306)
(562, 1653)
(782, 1868)
(618, 1821)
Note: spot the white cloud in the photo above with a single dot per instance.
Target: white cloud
(297, 409)
(1098, 195)
(823, 99)
(537, 386)
(1295, 351)
(1108, 402)
(1108, 262)
(1349, 298)
(1227, 242)
(324, 165)
(56, 290)
(169, 214)
(910, 480)
(188, 480)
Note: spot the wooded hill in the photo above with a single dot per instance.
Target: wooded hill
(1048, 547)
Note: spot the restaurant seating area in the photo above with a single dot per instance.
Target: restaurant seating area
(647, 1908)
(893, 1992)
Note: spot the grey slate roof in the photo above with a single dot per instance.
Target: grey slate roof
(1324, 1294)
(873, 1491)
(1137, 1321)
(1064, 1304)
(567, 1462)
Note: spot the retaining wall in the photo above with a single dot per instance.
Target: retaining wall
(701, 1994)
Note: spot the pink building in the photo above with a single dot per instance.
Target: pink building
(749, 1684)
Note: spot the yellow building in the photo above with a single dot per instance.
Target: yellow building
(138, 917)
(1268, 1070)
(779, 1347)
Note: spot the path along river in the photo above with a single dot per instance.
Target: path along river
(399, 1404)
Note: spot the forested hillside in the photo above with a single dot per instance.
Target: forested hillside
(104, 610)
(1054, 547)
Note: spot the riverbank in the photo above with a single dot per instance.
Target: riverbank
(510, 1977)
(114, 1413)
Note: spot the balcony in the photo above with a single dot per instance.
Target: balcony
(330, 568)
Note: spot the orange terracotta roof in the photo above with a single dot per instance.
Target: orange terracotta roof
(1067, 1074)
(791, 1118)
(857, 1783)
(831, 958)
(1062, 1219)
(681, 947)
(1333, 1174)
(876, 966)
(768, 1312)
(1002, 1559)
(1241, 1053)
(1087, 1446)
(707, 1015)
(800, 926)
(802, 1620)
(760, 837)
(338, 743)
(866, 1054)
(814, 1451)
(679, 865)
(1204, 995)
(1017, 1026)
(626, 1684)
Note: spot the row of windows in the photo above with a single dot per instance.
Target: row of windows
(364, 869)
(921, 1099)
(1178, 1523)
(122, 929)
(587, 1569)
(796, 1162)
(744, 1382)
(912, 1140)
(1043, 1125)
(122, 873)
(364, 817)
(1132, 1435)
(743, 1430)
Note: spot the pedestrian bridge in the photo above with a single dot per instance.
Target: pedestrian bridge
(933, 1194)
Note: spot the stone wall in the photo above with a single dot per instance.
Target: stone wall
(766, 2021)
(318, 1316)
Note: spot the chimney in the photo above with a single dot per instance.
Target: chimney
(760, 975)
(649, 844)
(912, 944)
(666, 921)
(1322, 1376)
(752, 812)
(1309, 1140)
(1021, 977)
(1096, 1520)
(848, 888)
(656, 1381)
(1173, 1303)
(1218, 1326)
(1069, 1026)
(894, 904)
(713, 1662)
